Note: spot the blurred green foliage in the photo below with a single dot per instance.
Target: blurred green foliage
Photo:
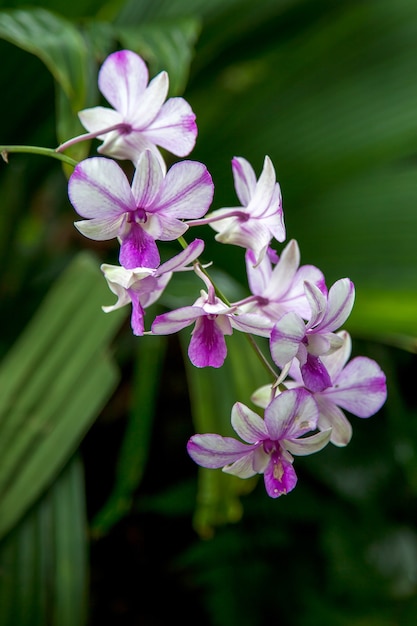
(326, 89)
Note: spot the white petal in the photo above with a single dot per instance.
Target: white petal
(247, 424)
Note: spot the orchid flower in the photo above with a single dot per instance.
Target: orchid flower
(271, 441)
(292, 338)
(150, 209)
(259, 219)
(140, 118)
(213, 320)
(358, 386)
(280, 289)
(142, 286)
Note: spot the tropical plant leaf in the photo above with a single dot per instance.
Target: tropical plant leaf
(43, 561)
(53, 383)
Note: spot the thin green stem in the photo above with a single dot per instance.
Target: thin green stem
(5, 150)
(262, 358)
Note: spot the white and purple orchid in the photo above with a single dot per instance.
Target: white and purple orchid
(140, 118)
(270, 442)
(213, 320)
(280, 289)
(292, 338)
(142, 286)
(259, 219)
(152, 208)
(358, 386)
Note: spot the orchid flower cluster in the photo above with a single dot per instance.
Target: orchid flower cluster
(289, 304)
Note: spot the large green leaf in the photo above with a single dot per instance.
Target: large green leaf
(43, 561)
(53, 383)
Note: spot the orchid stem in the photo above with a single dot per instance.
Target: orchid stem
(5, 150)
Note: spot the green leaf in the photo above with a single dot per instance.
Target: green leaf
(166, 45)
(53, 383)
(43, 561)
(136, 442)
(55, 41)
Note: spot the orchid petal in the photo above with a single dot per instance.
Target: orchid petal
(336, 360)
(122, 80)
(100, 229)
(284, 272)
(259, 276)
(174, 321)
(243, 467)
(147, 180)
(148, 105)
(214, 451)
(315, 376)
(317, 301)
(247, 424)
(264, 189)
(339, 304)
(251, 323)
(360, 388)
(332, 417)
(187, 191)
(98, 188)
(174, 128)
(99, 118)
(181, 260)
(138, 249)
(308, 445)
(279, 477)
(286, 336)
(207, 346)
(244, 179)
(290, 414)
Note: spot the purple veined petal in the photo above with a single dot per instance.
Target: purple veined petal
(147, 180)
(174, 128)
(308, 445)
(98, 188)
(243, 467)
(360, 388)
(122, 79)
(147, 106)
(164, 227)
(264, 190)
(176, 320)
(295, 298)
(247, 424)
(279, 477)
(286, 337)
(187, 191)
(138, 249)
(180, 261)
(214, 451)
(99, 118)
(259, 276)
(315, 376)
(319, 344)
(151, 288)
(100, 229)
(252, 323)
(244, 179)
(317, 301)
(207, 345)
(332, 417)
(339, 304)
(336, 360)
(284, 272)
(137, 318)
(290, 414)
